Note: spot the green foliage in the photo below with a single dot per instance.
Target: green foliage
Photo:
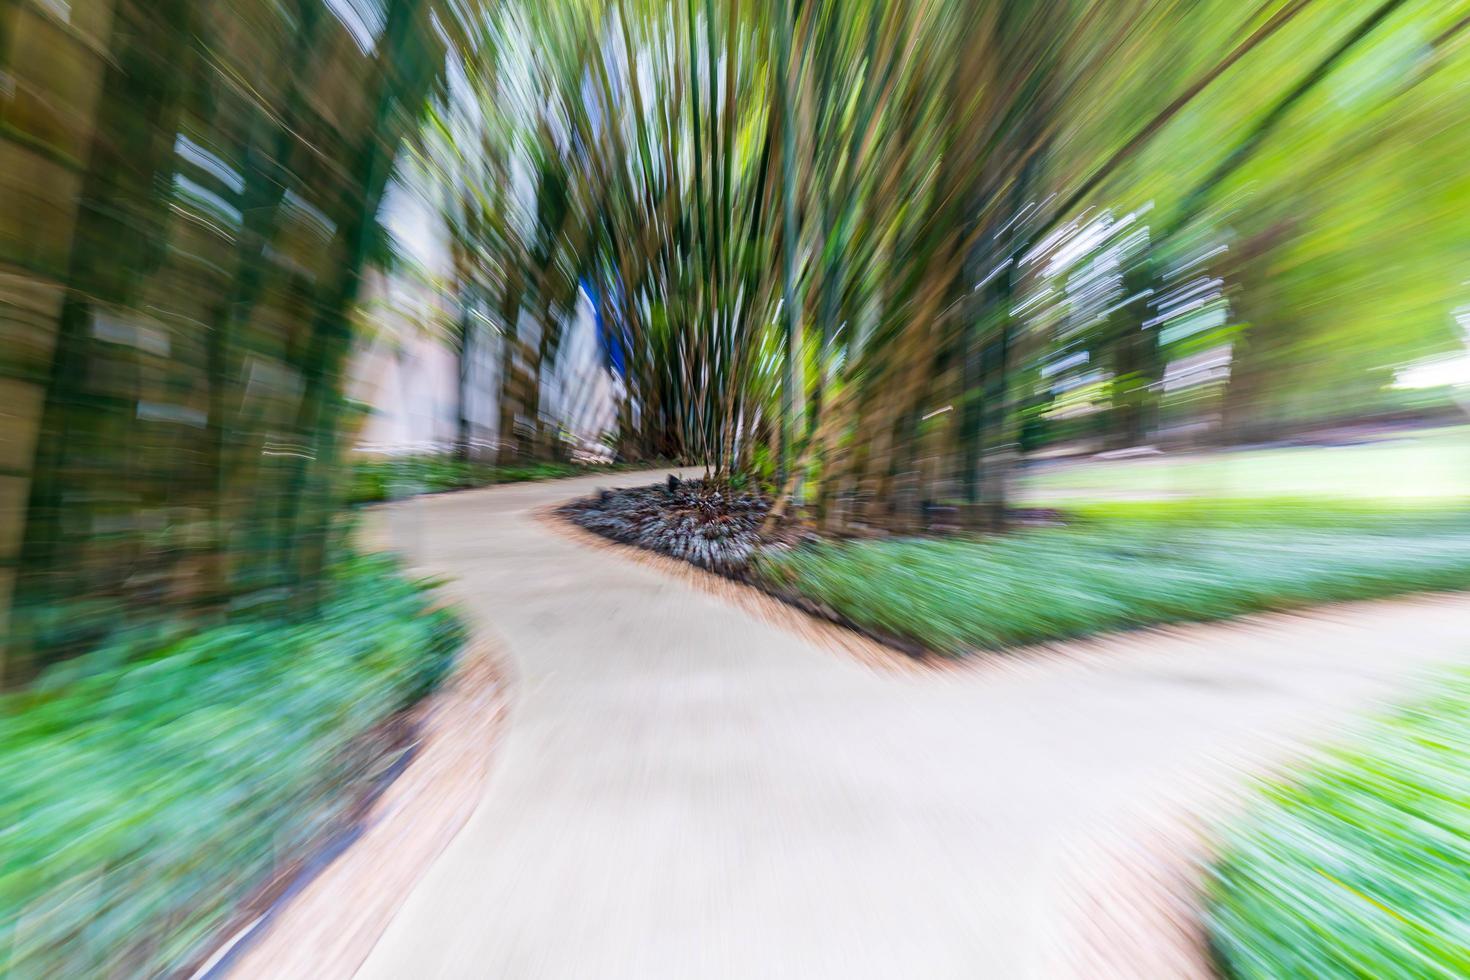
(1210, 217)
(391, 478)
(1359, 867)
(148, 789)
(175, 409)
(957, 595)
(763, 465)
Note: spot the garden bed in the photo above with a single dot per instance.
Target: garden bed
(151, 792)
(1360, 866)
(958, 595)
(337, 909)
(1106, 568)
(707, 524)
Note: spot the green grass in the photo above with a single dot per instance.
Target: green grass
(1121, 566)
(148, 790)
(1360, 867)
(1339, 513)
(1429, 463)
(395, 477)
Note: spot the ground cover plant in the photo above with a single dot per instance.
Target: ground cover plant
(391, 477)
(150, 788)
(1121, 566)
(1360, 866)
(1097, 567)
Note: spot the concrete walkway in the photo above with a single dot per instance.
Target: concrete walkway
(688, 791)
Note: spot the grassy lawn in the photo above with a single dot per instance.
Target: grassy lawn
(1360, 867)
(1122, 565)
(1427, 463)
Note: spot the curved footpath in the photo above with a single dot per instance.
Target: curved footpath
(688, 790)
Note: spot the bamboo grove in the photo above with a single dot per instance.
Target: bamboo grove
(871, 253)
(874, 251)
(191, 203)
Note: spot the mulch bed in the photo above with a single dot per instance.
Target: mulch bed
(717, 528)
(705, 523)
(714, 528)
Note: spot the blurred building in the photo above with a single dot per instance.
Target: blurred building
(407, 372)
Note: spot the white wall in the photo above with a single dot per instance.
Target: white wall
(409, 375)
